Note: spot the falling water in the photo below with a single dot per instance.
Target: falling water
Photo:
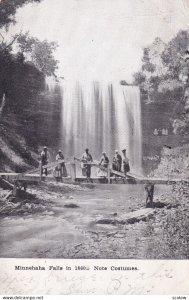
(102, 118)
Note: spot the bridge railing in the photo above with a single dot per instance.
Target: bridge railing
(96, 171)
(101, 170)
(52, 166)
(74, 169)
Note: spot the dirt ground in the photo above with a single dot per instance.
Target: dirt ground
(61, 221)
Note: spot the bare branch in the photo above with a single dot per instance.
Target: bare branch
(13, 40)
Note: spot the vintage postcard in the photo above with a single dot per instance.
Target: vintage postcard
(94, 147)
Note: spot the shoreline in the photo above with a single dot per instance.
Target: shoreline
(65, 225)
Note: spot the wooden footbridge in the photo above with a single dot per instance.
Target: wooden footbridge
(110, 176)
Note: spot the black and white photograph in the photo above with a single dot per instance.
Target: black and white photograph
(94, 129)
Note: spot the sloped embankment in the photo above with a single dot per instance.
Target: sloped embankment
(14, 154)
(174, 162)
(174, 238)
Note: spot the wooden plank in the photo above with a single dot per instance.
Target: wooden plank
(18, 176)
(53, 164)
(92, 164)
(6, 184)
(120, 174)
(7, 195)
(33, 171)
(5, 177)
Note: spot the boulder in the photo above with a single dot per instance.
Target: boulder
(137, 216)
(129, 218)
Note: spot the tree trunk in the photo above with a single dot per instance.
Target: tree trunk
(2, 106)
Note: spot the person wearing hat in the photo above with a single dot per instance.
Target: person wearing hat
(104, 161)
(62, 172)
(125, 160)
(86, 160)
(117, 161)
(45, 156)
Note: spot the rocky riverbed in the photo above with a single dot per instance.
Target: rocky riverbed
(72, 221)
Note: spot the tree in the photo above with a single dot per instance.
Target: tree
(164, 75)
(39, 53)
(148, 77)
(147, 64)
(176, 79)
(163, 67)
(173, 54)
(20, 82)
(8, 10)
(22, 74)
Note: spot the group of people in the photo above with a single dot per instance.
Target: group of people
(160, 131)
(60, 169)
(120, 163)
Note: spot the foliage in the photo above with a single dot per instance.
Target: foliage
(40, 53)
(140, 79)
(169, 85)
(147, 64)
(8, 10)
(174, 53)
(175, 226)
(124, 82)
(22, 73)
(164, 68)
(164, 76)
(19, 81)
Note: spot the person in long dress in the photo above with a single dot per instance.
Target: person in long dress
(104, 162)
(163, 131)
(117, 161)
(125, 160)
(61, 164)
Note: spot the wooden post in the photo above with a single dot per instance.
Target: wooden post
(73, 170)
(41, 170)
(109, 173)
(14, 191)
(149, 188)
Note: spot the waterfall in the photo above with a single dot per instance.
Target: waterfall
(101, 117)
